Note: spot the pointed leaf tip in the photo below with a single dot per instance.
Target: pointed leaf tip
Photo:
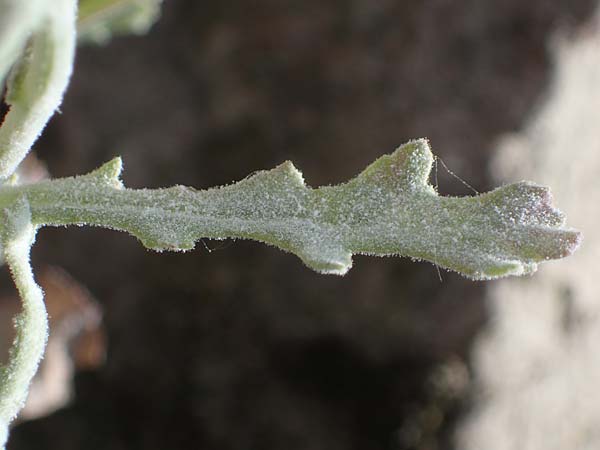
(418, 159)
(407, 168)
(109, 172)
(284, 175)
(290, 173)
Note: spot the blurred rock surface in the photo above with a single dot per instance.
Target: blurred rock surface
(538, 362)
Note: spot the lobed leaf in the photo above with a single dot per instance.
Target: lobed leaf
(388, 209)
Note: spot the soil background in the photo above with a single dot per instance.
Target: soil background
(242, 347)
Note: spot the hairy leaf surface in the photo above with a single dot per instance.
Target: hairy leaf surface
(388, 209)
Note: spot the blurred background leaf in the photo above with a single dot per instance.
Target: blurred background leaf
(99, 20)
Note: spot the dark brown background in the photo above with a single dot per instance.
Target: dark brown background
(245, 348)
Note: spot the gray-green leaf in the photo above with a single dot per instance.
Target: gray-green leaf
(388, 209)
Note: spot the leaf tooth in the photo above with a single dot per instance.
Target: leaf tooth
(418, 161)
(284, 174)
(500, 268)
(291, 173)
(327, 258)
(407, 169)
(166, 239)
(108, 173)
(542, 210)
(527, 203)
(540, 243)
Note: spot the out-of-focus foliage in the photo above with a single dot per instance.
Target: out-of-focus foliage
(99, 20)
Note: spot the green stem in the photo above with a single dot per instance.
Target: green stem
(31, 324)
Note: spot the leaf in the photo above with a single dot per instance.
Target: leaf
(17, 20)
(388, 209)
(37, 82)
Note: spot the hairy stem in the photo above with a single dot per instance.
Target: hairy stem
(31, 324)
